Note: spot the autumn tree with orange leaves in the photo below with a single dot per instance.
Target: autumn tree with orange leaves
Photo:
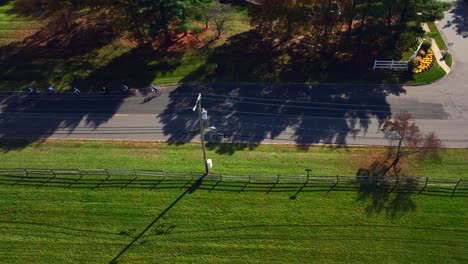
(406, 139)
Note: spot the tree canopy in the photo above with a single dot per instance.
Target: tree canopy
(356, 24)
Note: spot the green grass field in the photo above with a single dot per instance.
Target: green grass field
(14, 27)
(186, 222)
(95, 226)
(264, 159)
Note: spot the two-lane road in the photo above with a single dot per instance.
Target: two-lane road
(254, 113)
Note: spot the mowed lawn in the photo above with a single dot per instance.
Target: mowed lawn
(93, 226)
(227, 158)
(189, 222)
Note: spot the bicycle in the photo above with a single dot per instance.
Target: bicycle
(154, 92)
(50, 90)
(76, 91)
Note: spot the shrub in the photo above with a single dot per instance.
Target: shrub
(418, 59)
(413, 64)
(426, 45)
(197, 30)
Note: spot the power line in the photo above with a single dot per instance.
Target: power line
(303, 107)
(287, 101)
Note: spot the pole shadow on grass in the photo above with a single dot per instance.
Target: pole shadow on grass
(188, 190)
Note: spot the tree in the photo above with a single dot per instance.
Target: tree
(406, 139)
(349, 26)
(167, 15)
(219, 14)
(142, 20)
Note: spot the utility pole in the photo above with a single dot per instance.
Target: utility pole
(202, 131)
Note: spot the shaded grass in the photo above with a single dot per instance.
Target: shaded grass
(12, 26)
(264, 159)
(69, 226)
(89, 69)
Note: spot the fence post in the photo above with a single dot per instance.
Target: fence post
(249, 178)
(191, 174)
(456, 186)
(220, 177)
(26, 171)
(164, 175)
(425, 185)
(396, 184)
(308, 175)
(375, 64)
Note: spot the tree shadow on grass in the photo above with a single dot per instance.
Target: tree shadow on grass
(137, 67)
(40, 116)
(384, 193)
(248, 57)
(251, 113)
(66, 58)
(52, 54)
(4, 2)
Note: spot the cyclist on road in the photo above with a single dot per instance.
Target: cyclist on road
(105, 90)
(50, 90)
(154, 89)
(32, 90)
(76, 91)
(124, 88)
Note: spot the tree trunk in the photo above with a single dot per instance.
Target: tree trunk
(402, 22)
(351, 18)
(366, 11)
(136, 23)
(164, 24)
(389, 17)
(394, 163)
(65, 20)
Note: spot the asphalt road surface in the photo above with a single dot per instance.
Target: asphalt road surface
(253, 113)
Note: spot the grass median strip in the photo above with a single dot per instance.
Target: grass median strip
(437, 36)
(237, 158)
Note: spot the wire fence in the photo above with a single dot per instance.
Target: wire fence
(152, 179)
